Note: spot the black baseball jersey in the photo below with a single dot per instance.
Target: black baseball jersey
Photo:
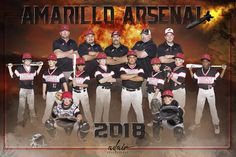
(71, 111)
(80, 78)
(165, 49)
(206, 77)
(103, 72)
(156, 81)
(84, 49)
(127, 69)
(178, 73)
(112, 51)
(65, 64)
(151, 49)
(26, 76)
(54, 78)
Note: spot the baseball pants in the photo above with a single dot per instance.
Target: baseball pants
(50, 99)
(151, 96)
(201, 98)
(83, 98)
(25, 94)
(180, 96)
(135, 98)
(103, 100)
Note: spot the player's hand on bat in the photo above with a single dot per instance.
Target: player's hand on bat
(224, 66)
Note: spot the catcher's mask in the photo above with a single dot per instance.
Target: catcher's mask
(155, 106)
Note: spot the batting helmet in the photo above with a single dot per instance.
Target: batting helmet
(26, 56)
(52, 57)
(101, 55)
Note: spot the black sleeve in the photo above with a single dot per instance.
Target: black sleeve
(181, 79)
(179, 49)
(100, 48)
(55, 45)
(74, 46)
(82, 50)
(135, 47)
(151, 50)
(160, 51)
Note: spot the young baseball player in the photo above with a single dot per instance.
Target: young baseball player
(80, 86)
(177, 80)
(132, 77)
(66, 114)
(169, 115)
(104, 77)
(155, 83)
(53, 79)
(206, 77)
(26, 74)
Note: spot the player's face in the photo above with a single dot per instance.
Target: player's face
(80, 67)
(116, 39)
(169, 37)
(89, 38)
(102, 61)
(167, 100)
(205, 63)
(67, 101)
(65, 34)
(27, 62)
(52, 63)
(179, 61)
(132, 60)
(156, 67)
(146, 38)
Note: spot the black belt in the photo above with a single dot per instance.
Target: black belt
(206, 88)
(131, 90)
(104, 87)
(80, 91)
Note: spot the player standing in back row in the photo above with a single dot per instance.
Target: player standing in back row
(206, 77)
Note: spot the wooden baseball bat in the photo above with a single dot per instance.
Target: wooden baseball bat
(31, 64)
(199, 66)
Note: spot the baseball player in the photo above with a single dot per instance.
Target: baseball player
(168, 49)
(155, 82)
(177, 80)
(132, 77)
(169, 115)
(53, 79)
(206, 77)
(116, 54)
(89, 51)
(26, 74)
(80, 86)
(66, 115)
(64, 48)
(104, 77)
(146, 50)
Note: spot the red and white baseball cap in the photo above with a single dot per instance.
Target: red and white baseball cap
(88, 32)
(115, 33)
(179, 55)
(64, 28)
(26, 56)
(66, 95)
(131, 53)
(101, 55)
(52, 57)
(80, 61)
(155, 60)
(167, 93)
(206, 56)
(169, 30)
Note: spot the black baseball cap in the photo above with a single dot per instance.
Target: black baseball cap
(146, 31)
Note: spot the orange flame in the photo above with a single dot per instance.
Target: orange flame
(130, 33)
(217, 13)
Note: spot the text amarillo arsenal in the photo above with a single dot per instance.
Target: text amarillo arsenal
(75, 14)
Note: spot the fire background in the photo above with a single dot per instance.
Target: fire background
(216, 37)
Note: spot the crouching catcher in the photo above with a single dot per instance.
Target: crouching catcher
(168, 115)
(67, 115)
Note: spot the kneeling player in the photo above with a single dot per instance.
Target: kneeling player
(169, 115)
(67, 116)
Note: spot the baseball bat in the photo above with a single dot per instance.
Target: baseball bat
(74, 64)
(31, 64)
(199, 66)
